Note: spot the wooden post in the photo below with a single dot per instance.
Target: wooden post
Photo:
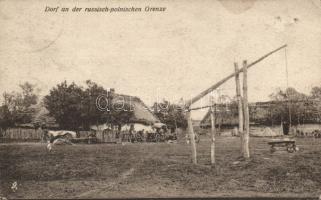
(290, 115)
(271, 115)
(102, 136)
(246, 135)
(213, 134)
(191, 136)
(240, 106)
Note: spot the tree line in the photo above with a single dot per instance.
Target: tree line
(17, 107)
(286, 105)
(294, 107)
(74, 107)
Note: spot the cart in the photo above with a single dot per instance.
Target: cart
(288, 144)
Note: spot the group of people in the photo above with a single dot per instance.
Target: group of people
(148, 134)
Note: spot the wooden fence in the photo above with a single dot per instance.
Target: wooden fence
(106, 136)
(25, 134)
(22, 134)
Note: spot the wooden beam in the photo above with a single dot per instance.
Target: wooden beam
(199, 108)
(213, 133)
(216, 85)
(209, 106)
(240, 106)
(246, 135)
(191, 137)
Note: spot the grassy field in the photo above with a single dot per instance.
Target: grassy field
(159, 170)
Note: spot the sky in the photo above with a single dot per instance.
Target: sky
(169, 55)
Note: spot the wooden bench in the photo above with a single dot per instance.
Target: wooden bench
(288, 144)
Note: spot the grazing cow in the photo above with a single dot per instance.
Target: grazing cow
(57, 141)
(65, 134)
(59, 137)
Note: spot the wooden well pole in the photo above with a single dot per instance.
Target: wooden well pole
(219, 83)
(208, 90)
(213, 133)
(191, 136)
(246, 136)
(240, 106)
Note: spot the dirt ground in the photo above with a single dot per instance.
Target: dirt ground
(159, 170)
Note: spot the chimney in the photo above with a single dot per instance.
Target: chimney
(112, 92)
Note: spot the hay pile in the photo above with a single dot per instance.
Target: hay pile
(266, 132)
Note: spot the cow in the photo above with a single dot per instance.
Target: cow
(62, 133)
(59, 137)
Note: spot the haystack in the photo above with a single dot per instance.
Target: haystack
(266, 132)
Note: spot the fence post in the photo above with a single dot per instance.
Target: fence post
(246, 136)
(213, 132)
(191, 136)
(240, 106)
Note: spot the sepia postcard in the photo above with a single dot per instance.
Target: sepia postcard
(105, 99)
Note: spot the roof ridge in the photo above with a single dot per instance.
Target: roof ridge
(125, 95)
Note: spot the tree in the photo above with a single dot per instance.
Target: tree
(117, 110)
(6, 120)
(29, 96)
(170, 114)
(64, 103)
(119, 115)
(75, 107)
(289, 106)
(20, 104)
(316, 93)
(315, 98)
(89, 112)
